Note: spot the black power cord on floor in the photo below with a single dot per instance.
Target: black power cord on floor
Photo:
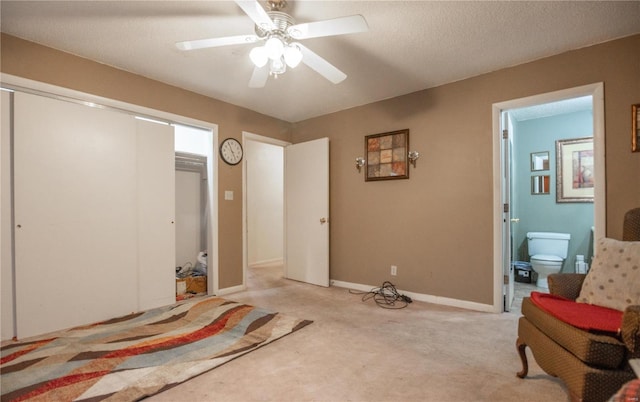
(386, 296)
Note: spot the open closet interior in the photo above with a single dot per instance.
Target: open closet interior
(191, 183)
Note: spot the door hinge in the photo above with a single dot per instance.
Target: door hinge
(506, 279)
(505, 208)
(505, 134)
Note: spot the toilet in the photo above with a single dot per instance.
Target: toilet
(548, 251)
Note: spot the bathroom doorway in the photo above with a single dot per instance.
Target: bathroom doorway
(529, 197)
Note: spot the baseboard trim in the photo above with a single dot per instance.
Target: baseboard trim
(445, 301)
(233, 289)
(266, 263)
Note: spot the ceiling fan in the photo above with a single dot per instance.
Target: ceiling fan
(280, 33)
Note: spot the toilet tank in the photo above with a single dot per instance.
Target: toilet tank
(548, 243)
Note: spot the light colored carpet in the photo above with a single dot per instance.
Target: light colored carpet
(360, 352)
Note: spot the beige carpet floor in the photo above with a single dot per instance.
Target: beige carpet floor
(357, 351)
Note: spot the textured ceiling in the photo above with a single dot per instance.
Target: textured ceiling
(411, 45)
(552, 108)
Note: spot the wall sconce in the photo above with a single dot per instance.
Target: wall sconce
(359, 162)
(413, 157)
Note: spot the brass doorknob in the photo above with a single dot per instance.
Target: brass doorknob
(323, 220)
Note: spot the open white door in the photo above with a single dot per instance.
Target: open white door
(507, 268)
(307, 212)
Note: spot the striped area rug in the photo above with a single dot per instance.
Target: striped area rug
(137, 355)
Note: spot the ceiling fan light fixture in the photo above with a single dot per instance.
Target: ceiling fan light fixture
(279, 29)
(258, 56)
(277, 67)
(274, 48)
(292, 55)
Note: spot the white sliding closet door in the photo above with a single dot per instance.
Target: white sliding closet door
(156, 206)
(75, 214)
(7, 326)
(79, 248)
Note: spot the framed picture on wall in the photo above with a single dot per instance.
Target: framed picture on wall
(635, 128)
(387, 155)
(574, 170)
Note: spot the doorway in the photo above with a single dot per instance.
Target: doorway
(191, 225)
(305, 203)
(263, 205)
(194, 161)
(513, 180)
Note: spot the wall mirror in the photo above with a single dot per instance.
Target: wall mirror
(540, 185)
(539, 161)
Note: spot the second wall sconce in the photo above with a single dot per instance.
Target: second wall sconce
(359, 162)
(413, 157)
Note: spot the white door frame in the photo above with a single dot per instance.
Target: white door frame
(597, 92)
(265, 140)
(507, 246)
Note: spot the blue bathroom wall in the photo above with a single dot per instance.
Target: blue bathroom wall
(541, 213)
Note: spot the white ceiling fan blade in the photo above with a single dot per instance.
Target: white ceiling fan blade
(215, 42)
(336, 26)
(255, 11)
(321, 66)
(259, 77)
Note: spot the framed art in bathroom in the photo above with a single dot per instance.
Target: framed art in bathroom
(635, 128)
(574, 170)
(386, 155)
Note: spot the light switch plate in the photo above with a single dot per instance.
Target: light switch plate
(228, 195)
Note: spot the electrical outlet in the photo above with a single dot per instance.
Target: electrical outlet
(394, 270)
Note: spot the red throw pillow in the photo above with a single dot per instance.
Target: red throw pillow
(580, 315)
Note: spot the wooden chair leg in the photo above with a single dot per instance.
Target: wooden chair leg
(523, 356)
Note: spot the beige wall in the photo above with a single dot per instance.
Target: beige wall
(437, 226)
(36, 62)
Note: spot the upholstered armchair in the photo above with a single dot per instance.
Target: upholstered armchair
(588, 327)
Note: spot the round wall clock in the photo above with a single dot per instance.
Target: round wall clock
(231, 151)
